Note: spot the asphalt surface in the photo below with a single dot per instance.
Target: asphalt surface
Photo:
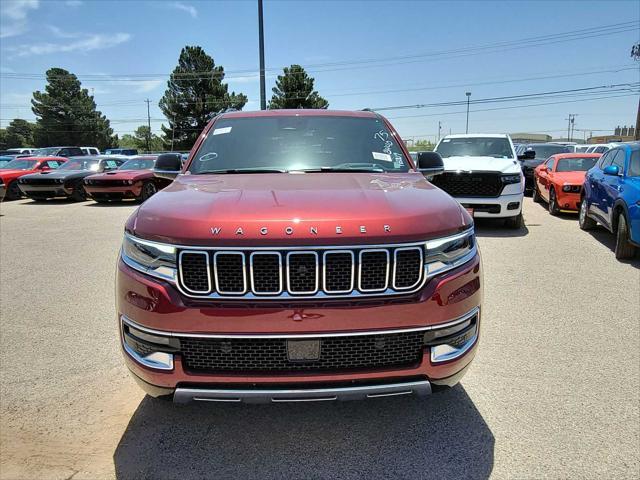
(553, 393)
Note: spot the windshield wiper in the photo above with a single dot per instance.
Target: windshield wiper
(341, 170)
(241, 170)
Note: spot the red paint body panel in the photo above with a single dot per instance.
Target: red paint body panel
(8, 176)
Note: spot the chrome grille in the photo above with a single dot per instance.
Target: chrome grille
(301, 273)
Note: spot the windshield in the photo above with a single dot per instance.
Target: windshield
(77, 164)
(283, 143)
(545, 151)
(19, 164)
(475, 147)
(137, 164)
(46, 152)
(581, 164)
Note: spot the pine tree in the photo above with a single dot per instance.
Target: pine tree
(66, 114)
(19, 133)
(195, 93)
(294, 89)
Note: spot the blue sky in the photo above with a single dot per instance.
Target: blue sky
(124, 51)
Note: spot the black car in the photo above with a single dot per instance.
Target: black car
(67, 181)
(533, 155)
(58, 152)
(121, 151)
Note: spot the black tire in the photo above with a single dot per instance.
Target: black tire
(536, 195)
(624, 248)
(148, 190)
(13, 191)
(79, 194)
(553, 203)
(514, 223)
(585, 222)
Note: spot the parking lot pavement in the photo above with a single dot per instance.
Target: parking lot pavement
(554, 391)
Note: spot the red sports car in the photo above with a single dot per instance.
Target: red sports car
(133, 179)
(15, 169)
(558, 181)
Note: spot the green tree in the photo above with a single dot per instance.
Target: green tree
(140, 139)
(294, 89)
(3, 138)
(194, 94)
(66, 114)
(19, 133)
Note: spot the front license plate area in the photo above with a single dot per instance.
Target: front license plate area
(303, 350)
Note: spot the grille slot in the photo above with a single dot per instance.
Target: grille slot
(338, 271)
(469, 184)
(266, 273)
(230, 273)
(374, 270)
(302, 272)
(336, 353)
(407, 267)
(194, 271)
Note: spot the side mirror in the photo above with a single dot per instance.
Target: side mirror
(430, 163)
(168, 165)
(527, 155)
(611, 170)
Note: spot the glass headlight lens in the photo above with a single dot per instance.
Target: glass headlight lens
(508, 179)
(442, 254)
(153, 258)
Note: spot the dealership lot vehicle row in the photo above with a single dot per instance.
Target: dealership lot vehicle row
(548, 394)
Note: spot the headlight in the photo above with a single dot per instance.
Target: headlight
(508, 179)
(130, 182)
(60, 180)
(157, 259)
(442, 254)
(571, 188)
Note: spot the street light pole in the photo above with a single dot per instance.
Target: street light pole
(468, 99)
(263, 100)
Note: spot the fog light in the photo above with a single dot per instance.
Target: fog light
(513, 206)
(152, 351)
(455, 346)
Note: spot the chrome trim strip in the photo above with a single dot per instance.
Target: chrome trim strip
(466, 316)
(306, 247)
(310, 292)
(395, 265)
(206, 256)
(386, 282)
(215, 273)
(185, 395)
(324, 271)
(253, 289)
(152, 360)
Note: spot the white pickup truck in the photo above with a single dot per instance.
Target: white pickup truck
(482, 172)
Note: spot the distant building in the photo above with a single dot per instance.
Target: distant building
(530, 137)
(620, 134)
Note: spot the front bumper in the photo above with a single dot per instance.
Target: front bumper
(504, 206)
(156, 306)
(568, 201)
(116, 192)
(45, 191)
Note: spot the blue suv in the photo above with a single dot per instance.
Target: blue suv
(611, 197)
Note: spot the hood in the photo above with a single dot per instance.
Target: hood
(298, 209)
(572, 178)
(487, 164)
(60, 174)
(123, 175)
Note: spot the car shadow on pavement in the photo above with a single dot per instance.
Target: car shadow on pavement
(608, 239)
(489, 227)
(114, 204)
(443, 435)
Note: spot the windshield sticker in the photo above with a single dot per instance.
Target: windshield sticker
(208, 156)
(221, 131)
(384, 137)
(111, 164)
(385, 157)
(54, 164)
(446, 140)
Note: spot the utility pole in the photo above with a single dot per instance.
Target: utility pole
(570, 125)
(263, 100)
(439, 129)
(468, 94)
(148, 125)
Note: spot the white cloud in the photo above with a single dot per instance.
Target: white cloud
(190, 9)
(84, 43)
(14, 15)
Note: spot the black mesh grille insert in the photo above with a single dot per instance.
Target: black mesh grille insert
(195, 274)
(408, 267)
(230, 272)
(302, 272)
(266, 273)
(338, 272)
(469, 184)
(336, 353)
(373, 270)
